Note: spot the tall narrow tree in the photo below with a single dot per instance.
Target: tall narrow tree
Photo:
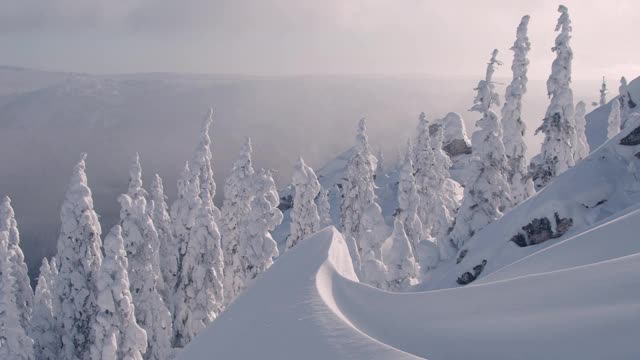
(117, 334)
(43, 326)
(582, 145)
(202, 163)
(80, 258)
(408, 203)
(24, 293)
(304, 216)
(626, 103)
(513, 127)
(557, 152)
(324, 208)
(400, 260)
(603, 93)
(14, 342)
(486, 195)
(614, 120)
(235, 209)
(169, 247)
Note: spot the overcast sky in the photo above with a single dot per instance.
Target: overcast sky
(276, 37)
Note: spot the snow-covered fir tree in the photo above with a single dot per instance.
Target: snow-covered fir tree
(613, 120)
(358, 187)
(169, 247)
(603, 92)
(235, 209)
(400, 261)
(380, 168)
(80, 258)
(582, 145)
(117, 334)
(14, 342)
(513, 128)
(423, 165)
(408, 203)
(487, 192)
(373, 232)
(24, 293)
(440, 196)
(43, 326)
(304, 215)
(142, 245)
(324, 208)
(626, 102)
(557, 151)
(199, 293)
(258, 247)
(202, 163)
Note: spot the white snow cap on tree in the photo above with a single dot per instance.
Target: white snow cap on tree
(202, 163)
(362, 144)
(513, 127)
(24, 293)
(304, 216)
(424, 170)
(258, 247)
(399, 260)
(169, 247)
(603, 92)
(43, 326)
(557, 151)
(626, 103)
(80, 258)
(199, 291)
(582, 146)
(614, 120)
(408, 203)
(116, 332)
(324, 208)
(141, 244)
(238, 193)
(14, 342)
(373, 232)
(487, 193)
(486, 96)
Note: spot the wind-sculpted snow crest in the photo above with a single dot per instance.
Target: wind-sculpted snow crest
(310, 305)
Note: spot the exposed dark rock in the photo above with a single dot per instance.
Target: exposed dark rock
(468, 277)
(457, 147)
(286, 203)
(637, 155)
(539, 230)
(461, 255)
(632, 139)
(596, 204)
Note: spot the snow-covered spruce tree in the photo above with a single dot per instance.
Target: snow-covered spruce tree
(373, 232)
(24, 293)
(408, 203)
(582, 146)
(614, 120)
(202, 163)
(423, 165)
(487, 193)
(258, 247)
(80, 258)
(400, 261)
(169, 247)
(199, 294)
(444, 203)
(14, 342)
(117, 334)
(43, 326)
(513, 128)
(324, 208)
(557, 151)
(304, 216)
(603, 92)
(380, 168)
(235, 208)
(142, 246)
(626, 102)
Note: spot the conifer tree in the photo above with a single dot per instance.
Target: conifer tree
(14, 342)
(557, 152)
(603, 93)
(304, 216)
(324, 208)
(235, 209)
(582, 146)
(80, 258)
(24, 293)
(116, 332)
(626, 103)
(512, 125)
(169, 247)
(400, 261)
(202, 163)
(408, 203)
(43, 325)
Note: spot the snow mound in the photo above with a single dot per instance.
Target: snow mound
(310, 305)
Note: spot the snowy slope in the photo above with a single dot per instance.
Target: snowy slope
(597, 120)
(309, 305)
